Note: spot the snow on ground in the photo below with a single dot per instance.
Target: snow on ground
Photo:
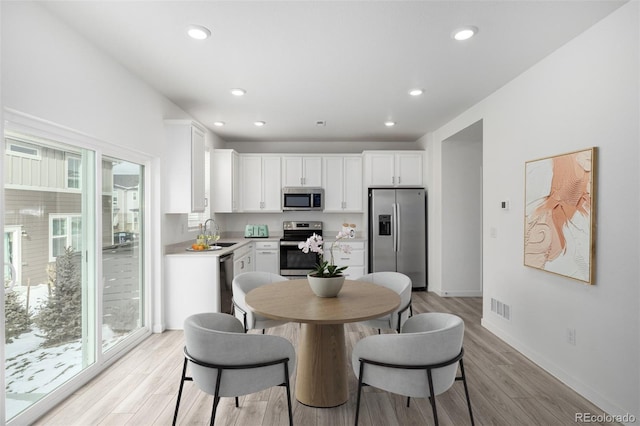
(32, 371)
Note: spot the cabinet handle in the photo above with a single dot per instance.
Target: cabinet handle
(242, 264)
(267, 252)
(398, 180)
(301, 181)
(393, 179)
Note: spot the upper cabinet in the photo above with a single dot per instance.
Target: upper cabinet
(260, 187)
(225, 173)
(302, 171)
(393, 168)
(342, 183)
(184, 178)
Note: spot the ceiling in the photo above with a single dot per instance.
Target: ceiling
(348, 63)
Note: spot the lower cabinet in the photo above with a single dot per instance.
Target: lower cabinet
(354, 260)
(192, 285)
(267, 256)
(243, 260)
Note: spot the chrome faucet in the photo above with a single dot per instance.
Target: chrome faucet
(214, 224)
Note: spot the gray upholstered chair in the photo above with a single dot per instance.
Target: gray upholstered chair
(420, 362)
(243, 284)
(224, 361)
(399, 283)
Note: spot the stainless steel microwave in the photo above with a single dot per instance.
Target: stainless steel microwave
(302, 198)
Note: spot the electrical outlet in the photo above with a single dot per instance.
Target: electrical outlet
(571, 336)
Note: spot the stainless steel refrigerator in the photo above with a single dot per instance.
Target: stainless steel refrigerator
(398, 232)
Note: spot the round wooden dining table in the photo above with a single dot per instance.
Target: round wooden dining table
(321, 377)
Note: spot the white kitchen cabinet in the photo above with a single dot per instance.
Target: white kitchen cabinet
(184, 171)
(243, 260)
(302, 171)
(192, 285)
(267, 256)
(342, 183)
(260, 187)
(354, 260)
(393, 168)
(225, 172)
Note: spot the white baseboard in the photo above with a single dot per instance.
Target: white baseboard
(467, 293)
(552, 368)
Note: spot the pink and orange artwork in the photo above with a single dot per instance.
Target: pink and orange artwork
(560, 214)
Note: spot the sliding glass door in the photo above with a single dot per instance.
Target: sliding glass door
(73, 263)
(122, 290)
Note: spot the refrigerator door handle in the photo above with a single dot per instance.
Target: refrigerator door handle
(398, 226)
(394, 225)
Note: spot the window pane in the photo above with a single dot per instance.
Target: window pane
(73, 172)
(49, 313)
(122, 262)
(59, 227)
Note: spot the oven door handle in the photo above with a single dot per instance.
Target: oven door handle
(289, 243)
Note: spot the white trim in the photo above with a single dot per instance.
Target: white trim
(592, 395)
(48, 132)
(16, 230)
(69, 232)
(15, 142)
(41, 188)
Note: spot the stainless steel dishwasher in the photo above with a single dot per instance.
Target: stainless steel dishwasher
(226, 278)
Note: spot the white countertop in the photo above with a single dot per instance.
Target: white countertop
(180, 249)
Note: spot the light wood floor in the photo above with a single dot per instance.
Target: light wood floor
(506, 388)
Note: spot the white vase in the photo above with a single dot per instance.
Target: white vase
(326, 287)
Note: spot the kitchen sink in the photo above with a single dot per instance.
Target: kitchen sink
(225, 244)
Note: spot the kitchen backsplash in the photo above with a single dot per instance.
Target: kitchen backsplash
(236, 222)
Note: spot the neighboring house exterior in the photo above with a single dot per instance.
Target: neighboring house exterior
(126, 207)
(43, 201)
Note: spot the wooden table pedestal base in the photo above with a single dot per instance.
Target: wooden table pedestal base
(321, 379)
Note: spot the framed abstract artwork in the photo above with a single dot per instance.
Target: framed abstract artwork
(560, 220)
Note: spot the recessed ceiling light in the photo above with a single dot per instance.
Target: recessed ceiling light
(389, 123)
(238, 92)
(198, 32)
(465, 33)
(416, 92)
(259, 123)
(218, 123)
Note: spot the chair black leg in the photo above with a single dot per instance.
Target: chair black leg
(287, 385)
(237, 403)
(184, 373)
(432, 398)
(466, 391)
(216, 400)
(359, 391)
(408, 401)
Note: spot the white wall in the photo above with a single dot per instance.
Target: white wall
(331, 222)
(584, 94)
(52, 73)
(462, 214)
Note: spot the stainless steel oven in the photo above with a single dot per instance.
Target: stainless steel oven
(294, 263)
